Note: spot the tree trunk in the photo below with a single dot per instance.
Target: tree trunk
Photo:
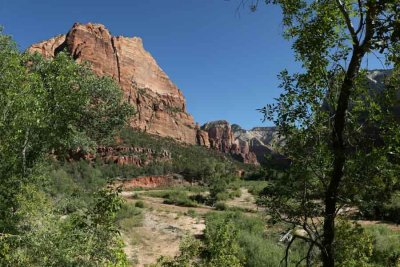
(338, 148)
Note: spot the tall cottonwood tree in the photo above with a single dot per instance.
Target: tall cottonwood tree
(338, 132)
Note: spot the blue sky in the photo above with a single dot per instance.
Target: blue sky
(225, 64)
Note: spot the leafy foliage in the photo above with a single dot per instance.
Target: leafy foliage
(386, 245)
(338, 131)
(353, 245)
(195, 163)
(55, 107)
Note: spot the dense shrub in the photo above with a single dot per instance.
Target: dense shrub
(220, 206)
(257, 248)
(391, 208)
(179, 198)
(386, 245)
(139, 204)
(353, 246)
(383, 207)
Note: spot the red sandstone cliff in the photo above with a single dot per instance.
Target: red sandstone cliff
(219, 135)
(160, 105)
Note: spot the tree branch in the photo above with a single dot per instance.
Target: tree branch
(285, 259)
(369, 25)
(361, 22)
(349, 24)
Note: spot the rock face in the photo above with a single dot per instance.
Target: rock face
(123, 155)
(152, 182)
(202, 138)
(218, 135)
(262, 141)
(160, 105)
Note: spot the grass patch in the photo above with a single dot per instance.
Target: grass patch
(179, 198)
(259, 248)
(129, 217)
(386, 250)
(192, 213)
(221, 206)
(254, 187)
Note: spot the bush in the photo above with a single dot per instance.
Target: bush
(129, 216)
(391, 209)
(386, 245)
(191, 213)
(222, 247)
(199, 198)
(235, 193)
(221, 206)
(139, 204)
(353, 246)
(179, 198)
(258, 249)
(189, 250)
(222, 196)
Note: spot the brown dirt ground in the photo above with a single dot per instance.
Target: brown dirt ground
(162, 229)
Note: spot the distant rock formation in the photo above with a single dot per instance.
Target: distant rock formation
(160, 105)
(262, 141)
(202, 137)
(218, 135)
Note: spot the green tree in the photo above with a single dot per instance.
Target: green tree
(219, 249)
(85, 237)
(222, 248)
(353, 246)
(53, 107)
(189, 251)
(331, 121)
(82, 110)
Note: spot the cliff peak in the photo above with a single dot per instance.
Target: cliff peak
(160, 105)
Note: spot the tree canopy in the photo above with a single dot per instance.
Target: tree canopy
(341, 135)
(51, 107)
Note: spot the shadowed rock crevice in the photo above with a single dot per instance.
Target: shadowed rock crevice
(117, 58)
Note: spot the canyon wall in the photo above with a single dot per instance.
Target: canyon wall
(218, 135)
(159, 104)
